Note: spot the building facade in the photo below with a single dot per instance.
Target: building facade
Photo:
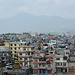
(25, 55)
(42, 62)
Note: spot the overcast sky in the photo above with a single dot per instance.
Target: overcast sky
(61, 8)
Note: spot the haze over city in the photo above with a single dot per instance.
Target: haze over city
(37, 16)
(37, 37)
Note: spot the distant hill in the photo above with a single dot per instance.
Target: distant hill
(24, 22)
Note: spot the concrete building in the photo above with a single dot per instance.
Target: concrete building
(5, 54)
(25, 55)
(61, 63)
(14, 47)
(71, 61)
(71, 64)
(42, 62)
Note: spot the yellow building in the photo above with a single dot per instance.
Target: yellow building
(14, 48)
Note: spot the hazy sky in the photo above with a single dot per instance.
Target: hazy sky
(61, 8)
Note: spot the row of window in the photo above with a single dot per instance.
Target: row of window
(14, 48)
(25, 59)
(64, 58)
(14, 52)
(29, 53)
(60, 64)
(15, 44)
(42, 65)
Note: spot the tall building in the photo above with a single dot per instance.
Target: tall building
(5, 54)
(43, 62)
(14, 48)
(25, 55)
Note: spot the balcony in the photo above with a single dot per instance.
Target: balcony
(58, 66)
(35, 62)
(49, 68)
(47, 56)
(42, 68)
(26, 56)
(42, 62)
(61, 66)
(35, 68)
(37, 57)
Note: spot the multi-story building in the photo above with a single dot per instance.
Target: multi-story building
(14, 47)
(5, 54)
(71, 61)
(42, 62)
(25, 55)
(61, 63)
(71, 64)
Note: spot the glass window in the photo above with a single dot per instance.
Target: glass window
(11, 48)
(49, 65)
(20, 58)
(5, 54)
(57, 64)
(64, 64)
(38, 54)
(11, 44)
(28, 53)
(43, 65)
(35, 65)
(67, 52)
(15, 51)
(35, 60)
(35, 71)
(57, 58)
(15, 48)
(15, 45)
(15, 55)
(19, 48)
(20, 53)
(65, 58)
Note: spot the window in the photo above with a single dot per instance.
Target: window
(15, 45)
(5, 54)
(19, 48)
(11, 48)
(15, 48)
(20, 58)
(35, 60)
(32, 53)
(15, 55)
(57, 58)
(57, 64)
(2, 58)
(20, 53)
(51, 52)
(49, 65)
(42, 59)
(28, 53)
(38, 54)
(67, 52)
(43, 65)
(35, 71)
(35, 65)
(11, 44)
(25, 58)
(24, 48)
(15, 51)
(65, 58)
(11, 51)
(64, 64)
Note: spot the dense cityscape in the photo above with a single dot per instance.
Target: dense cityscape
(37, 54)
